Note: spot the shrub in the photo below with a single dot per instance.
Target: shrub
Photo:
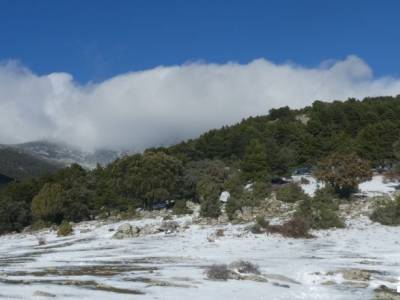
(321, 211)
(48, 204)
(256, 229)
(219, 232)
(343, 172)
(210, 208)
(232, 205)
(296, 227)
(41, 240)
(290, 193)
(218, 272)
(260, 220)
(64, 229)
(130, 213)
(388, 213)
(180, 208)
(245, 267)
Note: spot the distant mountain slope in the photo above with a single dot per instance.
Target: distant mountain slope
(64, 154)
(15, 164)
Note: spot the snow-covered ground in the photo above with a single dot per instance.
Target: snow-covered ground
(81, 265)
(377, 186)
(92, 265)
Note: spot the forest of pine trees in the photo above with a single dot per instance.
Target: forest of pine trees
(255, 150)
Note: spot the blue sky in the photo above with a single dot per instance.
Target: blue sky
(96, 39)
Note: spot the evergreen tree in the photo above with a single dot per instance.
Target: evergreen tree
(255, 162)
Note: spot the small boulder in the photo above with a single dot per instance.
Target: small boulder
(168, 226)
(43, 294)
(356, 275)
(385, 293)
(126, 231)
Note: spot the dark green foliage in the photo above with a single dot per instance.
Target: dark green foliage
(142, 180)
(209, 187)
(180, 208)
(299, 137)
(290, 193)
(64, 229)
(15, 205)
(321, 211)
(387, 213)
(255, 162)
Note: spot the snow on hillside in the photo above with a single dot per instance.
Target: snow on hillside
(377, 186)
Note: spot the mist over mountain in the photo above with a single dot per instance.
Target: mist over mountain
(168, 104)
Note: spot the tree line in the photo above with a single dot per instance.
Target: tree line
(348, 137)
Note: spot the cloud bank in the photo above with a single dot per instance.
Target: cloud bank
(168, 104)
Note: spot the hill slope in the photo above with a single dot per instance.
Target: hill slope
(19, 165)
(64, 154)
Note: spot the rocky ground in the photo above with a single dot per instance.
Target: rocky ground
(158, 256)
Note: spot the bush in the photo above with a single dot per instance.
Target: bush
(48, 204)
(218, 272)
(321, 211)
(290, 193)
(256, 229)
(388, 213)
(260, 220)
(343, 172)
(297, 227)
(41, 240)
(129, 214)
(245, 267)
(180, 208)
(64, 229)
(232, 205)
(210, 208)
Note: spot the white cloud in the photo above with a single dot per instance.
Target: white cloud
(168, 104)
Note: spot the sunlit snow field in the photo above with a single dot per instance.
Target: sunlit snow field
(92, 265)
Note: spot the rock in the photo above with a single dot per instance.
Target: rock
(247, 213)
(126, 231)
(223, 218)
(329, 282)
(187, 224)
(168, 226)
(43, 294)
(254, 277)
(357, 275)
(358, 285)
(194, 207)
(385, 293)
(281, 278)
(281, 285)
(225, 195)
(149, 229)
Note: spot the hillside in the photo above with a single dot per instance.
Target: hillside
(64, 154)
(294, 138)
(19, 165)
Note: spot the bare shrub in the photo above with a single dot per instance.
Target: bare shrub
(245, 267)
(41, 240)
(218, 272)
(219, 233)
(297, 227)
